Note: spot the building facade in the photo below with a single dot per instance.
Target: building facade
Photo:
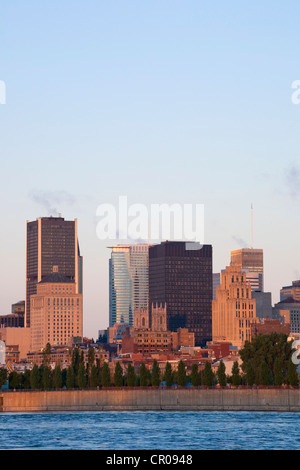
(291, 291)
(51, 241)
(251, 261)
(180, 277)
(233, 310)
(128, 282)
(56, 312)
(216, 282)
(263, 304)
(268, 326)
(289, 311)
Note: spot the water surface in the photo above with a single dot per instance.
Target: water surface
(150, 431)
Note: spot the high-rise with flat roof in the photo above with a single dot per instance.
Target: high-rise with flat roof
(128, 282)
(52, 242)
(251, 261)
(180, 277)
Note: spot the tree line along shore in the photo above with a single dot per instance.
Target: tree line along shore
(266, 361)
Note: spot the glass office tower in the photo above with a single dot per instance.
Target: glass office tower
(128, 282)
(180, 276)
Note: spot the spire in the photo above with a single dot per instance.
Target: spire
(251, 226)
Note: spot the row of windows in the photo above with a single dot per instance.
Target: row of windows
(244, 314)
(153, 341)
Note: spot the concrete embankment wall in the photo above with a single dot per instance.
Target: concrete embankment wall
(152, 400)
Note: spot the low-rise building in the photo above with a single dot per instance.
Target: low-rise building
(267, 326)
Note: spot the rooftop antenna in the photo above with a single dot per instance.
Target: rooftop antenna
(251, 226)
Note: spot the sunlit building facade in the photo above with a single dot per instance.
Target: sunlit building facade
(234, 309)
(251, 261)
(56, 312)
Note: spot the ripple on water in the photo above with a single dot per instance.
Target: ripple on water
(150, 430)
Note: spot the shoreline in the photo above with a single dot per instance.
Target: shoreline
(159, 399)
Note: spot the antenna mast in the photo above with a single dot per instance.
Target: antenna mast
(251, 226)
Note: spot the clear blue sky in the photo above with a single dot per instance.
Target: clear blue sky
(163, 101)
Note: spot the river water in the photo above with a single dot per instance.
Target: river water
(150, 431)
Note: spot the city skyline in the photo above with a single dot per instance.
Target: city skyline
(164, 103)
(134, 246)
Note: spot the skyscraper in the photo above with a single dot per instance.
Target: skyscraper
(180, 277)
(128, 282)
(51, 242)
(234, 309)
(251, 261)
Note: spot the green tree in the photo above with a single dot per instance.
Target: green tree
(14, 379)
(81, 377)
(250, 374)
(57, 377)
(168, 375)
(26, 379)
(208, 375)
(91, 357)
(46, 377)
(155, 376)
(64, 377)
(94, 376)
(70, 378)
(3, 376)
(175, 376)
(267, 348)
(91, 361)
(118, 375)
(278, 373)
(292, 375)
(47, 355)
(143, 375)
(35, 377)
(130, 378)
(263, 373)
(195, 376)
(105, 375)
(235, 374)
(221, 374)
(182, 379)
(76, 360)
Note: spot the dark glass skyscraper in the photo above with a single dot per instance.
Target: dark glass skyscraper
(51, 243)
(180, 276)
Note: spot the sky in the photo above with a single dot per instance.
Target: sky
(162, 102)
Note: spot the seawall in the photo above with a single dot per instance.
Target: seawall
(284, 400)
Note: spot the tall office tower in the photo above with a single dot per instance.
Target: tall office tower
(56, 312)
(180, 277)
(251, 261)
(128, 282)
(233, 310)
(292, 291)
(51, 241)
